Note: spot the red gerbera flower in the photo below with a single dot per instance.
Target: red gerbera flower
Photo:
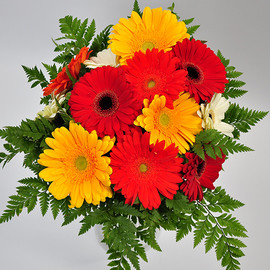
(154, 73)
(206, 73)
(62, 82)
(143, 171)
(101, 100)
(200, 173)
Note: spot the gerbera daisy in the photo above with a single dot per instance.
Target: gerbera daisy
(178, 126)
(102, 100)
(213, 113)
(156, 28)
(103, 58)
(199, 173)
(76, 165)
(155, 73)
(50, 111)
(206, 73)
(142, 171)
(62, 82)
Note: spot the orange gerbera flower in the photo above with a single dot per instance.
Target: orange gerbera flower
(62, 82)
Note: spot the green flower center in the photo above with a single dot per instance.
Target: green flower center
(81, 163)
(164, 119)
(143, 168)
(151, 84)
(148, 45)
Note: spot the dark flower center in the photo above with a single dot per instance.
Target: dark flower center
(106, 103)
(194, 73)
(200, 169)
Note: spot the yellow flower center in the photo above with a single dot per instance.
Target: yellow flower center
(164, 119)
(151, 84)
(148, 45)
(143, 168)
(81, 163)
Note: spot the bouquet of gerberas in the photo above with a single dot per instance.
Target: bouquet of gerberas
(136, 126)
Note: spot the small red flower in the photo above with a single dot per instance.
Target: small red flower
(62, 82)
(102, 100)
(206, 73)
(154, 73)
(199, 173)
(142, 171)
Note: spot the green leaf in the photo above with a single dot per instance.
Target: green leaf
(136, 7)
(90, 32)
(37, 183)
(179, 203)
(192, 29)
(55, 206)
(214, 138)
(100, 42)
(224, 61)
(211, 238)
(233, 92)
(183, 228)
(52, 70)
(93, 218)
(44, 200)
(36, 76)
(220, 247)
(125, 209)
(242, 118)
(188, 21)
(202, 227)
(233, 74)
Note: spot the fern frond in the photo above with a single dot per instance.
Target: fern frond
(100, 42)
(220, 232)
(52, 70)
(136, 7)
(89, 33)
(242, 118)
(232, 89)
(36, 76)
(212, 142)
(192, 29)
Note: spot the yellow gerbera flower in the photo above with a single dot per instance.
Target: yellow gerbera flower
(76, 165)
(178, 125)
(156, 28)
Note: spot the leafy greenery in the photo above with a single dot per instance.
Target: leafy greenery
(233, 87)
(27, 138)
(101, 40)
(213, 143)
(36, 76)
(76, 34)
(242, 118)
(136, 8)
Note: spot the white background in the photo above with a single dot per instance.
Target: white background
(238, 28)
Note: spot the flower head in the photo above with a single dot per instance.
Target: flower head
(142, 171)
(50, 111)
(102, 100)
(103, 58)
(154, 73)
(199, 173)
(76, 165)
(206, 73)
(178, 125)
(213, 113)
(156, 28)
(62, 82)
